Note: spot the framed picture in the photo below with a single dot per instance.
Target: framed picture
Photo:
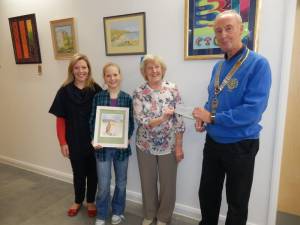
(111, 127)
(199, 38)
(25, 39)
(63, 38)
(125, 34)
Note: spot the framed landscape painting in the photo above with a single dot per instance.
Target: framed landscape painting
(111, 127)
(63, 38)
(199, 38)
(25, 39)
(125, 34)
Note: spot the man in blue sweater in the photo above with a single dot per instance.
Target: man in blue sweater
(238, 96)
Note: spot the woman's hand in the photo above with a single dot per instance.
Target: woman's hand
(179, 153)
(64, 150)
(178, 147)
(167, 113)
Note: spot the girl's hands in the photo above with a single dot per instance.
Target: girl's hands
(96, 147)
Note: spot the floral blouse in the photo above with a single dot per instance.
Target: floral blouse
(149, 104)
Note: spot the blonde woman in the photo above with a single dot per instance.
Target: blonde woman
(72, 108)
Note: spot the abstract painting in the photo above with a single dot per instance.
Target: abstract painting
(25, 39)
(199, 38)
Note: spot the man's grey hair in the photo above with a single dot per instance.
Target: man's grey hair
(230, 12)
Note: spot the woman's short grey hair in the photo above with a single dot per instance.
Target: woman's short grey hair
(152, 58)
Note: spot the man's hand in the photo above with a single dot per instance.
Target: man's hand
(201, 114)
(199, 126)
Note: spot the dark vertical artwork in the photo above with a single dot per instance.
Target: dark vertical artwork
(25, 39)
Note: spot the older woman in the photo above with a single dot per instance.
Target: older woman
(158, 140)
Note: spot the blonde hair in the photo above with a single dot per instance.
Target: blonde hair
(152, 58)
(89, 83)
(110, 64)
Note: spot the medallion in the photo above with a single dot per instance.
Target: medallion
(232, 84)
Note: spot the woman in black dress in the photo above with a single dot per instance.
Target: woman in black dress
(72, 108)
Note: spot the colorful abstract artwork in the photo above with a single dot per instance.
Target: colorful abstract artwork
(25, 39)
(63, 38)
(199, 18)
(125, 34)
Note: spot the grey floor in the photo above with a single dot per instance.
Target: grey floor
(30, 199)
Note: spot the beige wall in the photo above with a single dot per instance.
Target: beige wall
(289, 196)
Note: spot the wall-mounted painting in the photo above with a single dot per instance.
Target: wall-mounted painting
(199, 37)
(125, 34)
(25, 39)
(63, 38)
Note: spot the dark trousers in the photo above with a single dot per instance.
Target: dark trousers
(236, 162)
(84, 178)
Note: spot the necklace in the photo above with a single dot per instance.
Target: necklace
(219, 87)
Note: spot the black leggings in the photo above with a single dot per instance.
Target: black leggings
(84, 177)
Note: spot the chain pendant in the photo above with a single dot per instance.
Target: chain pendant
(214, 104)
(217, 90)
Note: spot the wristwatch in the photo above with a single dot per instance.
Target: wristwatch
(212, 118)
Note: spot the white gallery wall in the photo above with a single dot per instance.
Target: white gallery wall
(27, 130)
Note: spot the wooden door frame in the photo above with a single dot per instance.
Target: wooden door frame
(287, 45)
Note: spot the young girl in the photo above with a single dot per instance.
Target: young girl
(113, 96)
(72, 108)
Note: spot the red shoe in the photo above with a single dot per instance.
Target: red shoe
(92, 212)
(73, 212)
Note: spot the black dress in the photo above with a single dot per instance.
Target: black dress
(74, 105)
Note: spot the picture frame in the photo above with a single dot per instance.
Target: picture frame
(199, 38)
(63, 38)
(125, 34)
(111, 127)
(25, 39)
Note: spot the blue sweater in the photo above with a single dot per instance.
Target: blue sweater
(242, 104)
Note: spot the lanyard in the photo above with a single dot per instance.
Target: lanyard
(217, 87)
